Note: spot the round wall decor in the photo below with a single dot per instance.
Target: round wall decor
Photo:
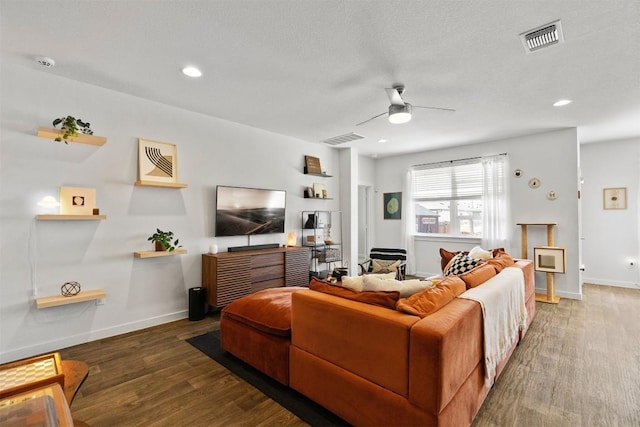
(552, 195)
(518, 173)
(534, 183)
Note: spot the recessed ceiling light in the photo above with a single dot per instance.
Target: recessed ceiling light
(191, 72)
(562, 102)
(382, 141)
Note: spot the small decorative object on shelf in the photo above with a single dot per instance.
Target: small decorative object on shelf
(311, 221)
(291, 238)
(164, 241)
(70, 127)
(70, 289)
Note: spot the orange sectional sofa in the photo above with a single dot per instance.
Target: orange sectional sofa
(375, 366)
(369, 364)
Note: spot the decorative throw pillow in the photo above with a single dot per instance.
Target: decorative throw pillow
(355, 282)
(432, 299)
(478, 253)
(478, 275)
(384, 266)
(500, 261)
(406, 288)
(460, 263)
(382, 299)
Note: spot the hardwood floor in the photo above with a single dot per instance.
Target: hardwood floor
(579, 365)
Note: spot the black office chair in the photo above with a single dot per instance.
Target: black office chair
(386, 254)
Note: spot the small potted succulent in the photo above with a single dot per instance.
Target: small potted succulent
(70, 127)
(164, 240)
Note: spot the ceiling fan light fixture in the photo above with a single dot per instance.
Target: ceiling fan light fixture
(399, 114)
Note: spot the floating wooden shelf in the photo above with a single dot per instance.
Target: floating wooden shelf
(59, 217)
(153, 254)
(81, 138)
(82, 296)
(160, 184)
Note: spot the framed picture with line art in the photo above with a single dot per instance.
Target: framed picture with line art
(392, 205)
(157, 161)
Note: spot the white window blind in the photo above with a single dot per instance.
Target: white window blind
(453, 182)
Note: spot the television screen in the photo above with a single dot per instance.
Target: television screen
(245, 211)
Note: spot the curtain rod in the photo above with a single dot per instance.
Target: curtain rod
(457, 160)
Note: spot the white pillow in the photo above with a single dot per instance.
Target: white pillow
(478, 253)
(355, 282)
(405, 287)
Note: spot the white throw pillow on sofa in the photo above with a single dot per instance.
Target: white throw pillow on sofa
(356, 282)
(478, 253)
(405, 287)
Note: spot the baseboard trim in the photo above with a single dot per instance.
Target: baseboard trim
(55, 345)
(616, 283)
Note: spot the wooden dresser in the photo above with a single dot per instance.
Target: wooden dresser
(228, 276)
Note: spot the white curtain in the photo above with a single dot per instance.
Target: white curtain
(408, 222)
(495, 204)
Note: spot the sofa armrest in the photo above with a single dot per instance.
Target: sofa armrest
(446, 347)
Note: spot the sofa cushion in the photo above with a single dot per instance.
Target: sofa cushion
(478, 275)
(268, 310)
(446, 256)
(406, 288)
(432, 299)
(356, 282)
(501, 260)
(460, 264)
(478, 253)
(384, 266)
(383, 299)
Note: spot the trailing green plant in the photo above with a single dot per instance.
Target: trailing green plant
(70, 127)
(165, 239)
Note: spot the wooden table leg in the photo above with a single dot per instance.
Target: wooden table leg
(75, 372)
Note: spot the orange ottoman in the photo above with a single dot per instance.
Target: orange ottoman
(257, 330)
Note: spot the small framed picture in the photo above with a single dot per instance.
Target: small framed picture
(157, 161)
(392, 205)
(77, 200)
(312, 165)
(319, 190)
(550, 259)
(614, 198)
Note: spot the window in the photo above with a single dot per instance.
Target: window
(448, 197)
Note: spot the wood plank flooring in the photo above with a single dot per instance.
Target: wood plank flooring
(579, 365)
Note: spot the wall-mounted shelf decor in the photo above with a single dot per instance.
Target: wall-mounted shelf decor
(58, 217)
(324, 175)
(153, 254)
(81, 138)
(160, 184)
(56, 300)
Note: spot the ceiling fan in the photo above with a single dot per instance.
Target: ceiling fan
(399, 110)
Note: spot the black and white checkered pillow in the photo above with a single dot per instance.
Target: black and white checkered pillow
(460, 264)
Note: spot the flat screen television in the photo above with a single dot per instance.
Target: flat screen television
(244, 211)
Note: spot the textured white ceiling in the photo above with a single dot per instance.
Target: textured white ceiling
(313, 69)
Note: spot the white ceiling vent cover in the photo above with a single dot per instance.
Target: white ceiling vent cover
(347, 137)
(541, 37)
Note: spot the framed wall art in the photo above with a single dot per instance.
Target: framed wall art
(550, 259)
(312, 165)
(614, 198)
(77, 200)
(392, 205)
(157, 161)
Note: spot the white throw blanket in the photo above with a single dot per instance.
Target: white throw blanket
(504, 313)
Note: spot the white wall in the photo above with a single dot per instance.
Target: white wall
(39, 255)
(552, 157)
(610, 236)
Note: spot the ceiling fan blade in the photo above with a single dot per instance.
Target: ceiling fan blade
(394, 96)
(436, 108)
(374, 117)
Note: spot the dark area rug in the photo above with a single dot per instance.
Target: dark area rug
(304, 408)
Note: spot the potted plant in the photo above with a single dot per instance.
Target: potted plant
(70, 126)
(164, 240)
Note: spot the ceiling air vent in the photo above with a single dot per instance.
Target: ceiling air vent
(347, 137)
(541, 37)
